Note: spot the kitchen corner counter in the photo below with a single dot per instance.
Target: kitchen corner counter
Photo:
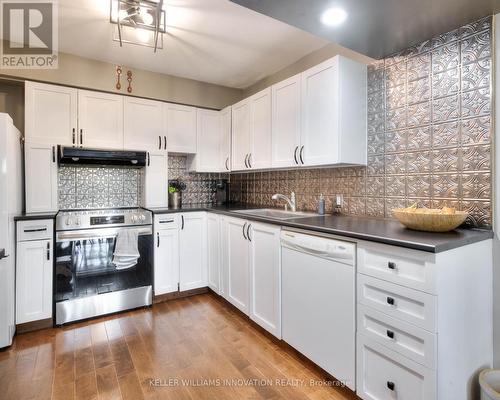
(362, 228)
(35, 216)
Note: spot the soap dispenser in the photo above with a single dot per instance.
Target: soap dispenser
(321, 205)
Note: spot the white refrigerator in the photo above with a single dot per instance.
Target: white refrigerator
(11, 204)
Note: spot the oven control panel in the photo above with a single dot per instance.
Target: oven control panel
(85, 219)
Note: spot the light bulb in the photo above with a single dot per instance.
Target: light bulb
(146, 16)
(334, 16)
(142, 35)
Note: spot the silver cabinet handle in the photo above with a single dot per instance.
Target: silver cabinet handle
(244, 226)
(301, 151)
(74, 137)
(227, 160)
(149, 159)
(246, 159)
(250, 160)
(295, 154)
(159, 142)
(182, 219)
(48, 251)
(164, 143)
(248, 232)
(81, 137)
(157, 239)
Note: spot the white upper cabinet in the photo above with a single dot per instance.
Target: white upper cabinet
(334, 113)
(181, 128)
(156, 179)
(260, 130)
(208, 128)
(225, 141)
(100, 120)
(286, 122)
(41, 177)
(241, 135)
(51, 114)
(143, 125)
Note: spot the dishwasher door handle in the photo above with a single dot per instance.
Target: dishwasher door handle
(331, 255)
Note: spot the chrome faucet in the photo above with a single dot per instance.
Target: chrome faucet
(290, 201)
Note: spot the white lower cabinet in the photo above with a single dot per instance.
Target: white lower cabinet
(213, 252)
(238, 263)
(34, 271)
(166, 255)
(265, 276)
(251, 270)
(385, 374)
(193, 251)
(418, 336)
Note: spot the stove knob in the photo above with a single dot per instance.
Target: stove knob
(134, 218)
(68, 221)
(78, 221)
(143, 217)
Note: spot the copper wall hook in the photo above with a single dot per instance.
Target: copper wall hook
(118, 74)
(129, 79)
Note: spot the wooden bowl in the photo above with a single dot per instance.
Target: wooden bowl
(430, 220)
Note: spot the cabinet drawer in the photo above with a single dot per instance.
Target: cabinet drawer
(383, 374)
(411, 268)
(39, 229)
(415, 343)
(166, 221)
(409, 305)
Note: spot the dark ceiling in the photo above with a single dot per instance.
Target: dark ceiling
(377, 28)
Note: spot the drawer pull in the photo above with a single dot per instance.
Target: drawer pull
(390, 334)
(168, 221)
(391, 265)
(35, 230)
(390, 301)
(390, 385)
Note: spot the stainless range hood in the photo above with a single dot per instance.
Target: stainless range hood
(75, 155)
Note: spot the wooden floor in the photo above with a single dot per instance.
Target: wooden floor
(193, 348)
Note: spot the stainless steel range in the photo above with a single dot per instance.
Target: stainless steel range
(89, 281)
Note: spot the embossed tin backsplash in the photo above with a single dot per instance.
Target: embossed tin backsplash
(99, 187)
(429, 136)
(82, 187)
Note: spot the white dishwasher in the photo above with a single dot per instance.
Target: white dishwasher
(318, 301)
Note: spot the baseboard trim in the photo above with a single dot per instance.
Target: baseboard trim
(179, 295)
(34, 325)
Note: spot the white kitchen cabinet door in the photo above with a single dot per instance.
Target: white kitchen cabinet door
(224, 257)
(34, 281)
(50, 114)
(143, 125)
(240, 135)
(100, 120)
(208, 141)
(181, 128)
(225, 141)
(260, 130)
(213, 252)
(193, 251)
(166, 265)
(265, 277)
(41, 177)
(238, 264)
(320, 117)
(156, 179)
(286, 123)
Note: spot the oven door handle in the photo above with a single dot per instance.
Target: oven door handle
(99, 233)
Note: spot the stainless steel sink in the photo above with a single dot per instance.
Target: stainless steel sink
(276, 214)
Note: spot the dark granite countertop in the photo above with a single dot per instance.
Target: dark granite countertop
(35, 216)
(362, 228)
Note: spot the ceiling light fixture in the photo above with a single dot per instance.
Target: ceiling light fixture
(140, 22)
(334, 16)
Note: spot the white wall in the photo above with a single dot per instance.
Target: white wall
(496, 197)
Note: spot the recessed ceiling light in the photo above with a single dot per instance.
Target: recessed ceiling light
(334, 16)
